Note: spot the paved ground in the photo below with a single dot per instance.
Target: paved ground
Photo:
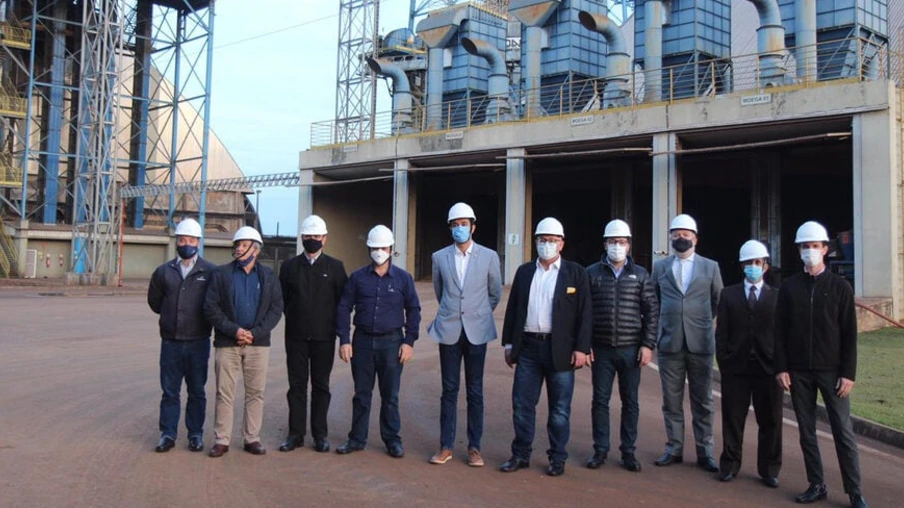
(78, 413)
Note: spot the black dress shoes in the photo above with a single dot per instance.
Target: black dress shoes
(165, 444)
(708, 464)
(727, 477)
(349, 447)
(292, 442)
(629, 461)
(321, 445)
(598, 459)
(556, 469)
(196, 444)
(255, 448)
(816, 492)
(771, 482)
(218, 450)
(395, 450)
(857, 501)
(668, 459)
(513, 464)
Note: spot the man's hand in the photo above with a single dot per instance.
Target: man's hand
(508, 358)
(578, 359)
(784, 380)
(843, 387)
(345, 352)
(644, 356)
(243, 337)
(591, 358)
(406, 353)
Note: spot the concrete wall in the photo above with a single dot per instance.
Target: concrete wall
(350, 211)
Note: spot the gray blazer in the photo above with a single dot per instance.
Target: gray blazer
(470, 306)
(687, 318)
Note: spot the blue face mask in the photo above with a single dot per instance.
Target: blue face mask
(461, 234)
(186, 251)
(754, 273)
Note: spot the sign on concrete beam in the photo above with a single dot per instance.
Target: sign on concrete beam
(754, 100)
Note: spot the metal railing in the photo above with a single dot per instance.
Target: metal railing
(15, 36)
(10, 173)
(11, 103)
(840, 61)
(8, 257)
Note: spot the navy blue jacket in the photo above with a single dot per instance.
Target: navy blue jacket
(179, 302)
(382, 304)
(219, 306)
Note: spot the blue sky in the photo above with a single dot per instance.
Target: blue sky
(266, 92)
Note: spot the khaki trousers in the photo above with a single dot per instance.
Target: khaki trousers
(251, 362)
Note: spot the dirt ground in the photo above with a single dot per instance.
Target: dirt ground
(79, 406)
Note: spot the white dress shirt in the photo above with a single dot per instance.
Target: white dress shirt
(542, 290)
(687, 271)
(758, 286)
(186, 269)
(461, 262)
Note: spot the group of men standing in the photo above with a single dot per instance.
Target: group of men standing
(611, 316)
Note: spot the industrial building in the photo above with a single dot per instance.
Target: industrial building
(751, 115)
(96, 95)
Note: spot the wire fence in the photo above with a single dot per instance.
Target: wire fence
(850, 59)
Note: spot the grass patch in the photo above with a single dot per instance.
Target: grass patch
(879, 392)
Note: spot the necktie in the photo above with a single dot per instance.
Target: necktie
(679, 277)
(751, 298)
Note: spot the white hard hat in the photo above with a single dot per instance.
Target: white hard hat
(461, 211)
(617, 229)
(753, 249)
(380, 236)
(189, 227)
(247, 233)
(550, 226)
(684, 221)
(313, 225)
(811, 231)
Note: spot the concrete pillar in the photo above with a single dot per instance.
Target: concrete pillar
(305, 201)
(765, 204)
(622, 191)
(20, 242)
(877, 207)
(400, 207)
(516, 218)
(666, 191)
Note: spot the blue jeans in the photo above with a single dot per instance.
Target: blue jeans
(535, 366)
(183, 359)
(607, 363)
(376, 357)
(450, 358)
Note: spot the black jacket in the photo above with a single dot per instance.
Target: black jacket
(816, 325)
(571, 313)
(180, 303)
(310, 295)
(219, 307)
(625, 310)
(741, 331)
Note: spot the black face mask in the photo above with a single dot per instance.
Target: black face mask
(311, 246)
(682, 244)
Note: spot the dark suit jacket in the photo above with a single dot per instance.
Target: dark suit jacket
(310, 296)
(219, 306)
(739, 329)
(572, 318)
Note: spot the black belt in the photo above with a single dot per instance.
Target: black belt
(538, 336)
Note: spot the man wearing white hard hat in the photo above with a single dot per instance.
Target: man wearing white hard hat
(387, 323)
(311, 283)
(625, 323)
(546, 335)
(688, 287)
(816, 351)
(468, 286)
(176, 293)
(244, 303)
(744, 349)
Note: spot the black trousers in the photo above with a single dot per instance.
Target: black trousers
(804, 385)
(314, 359)
(738, 390)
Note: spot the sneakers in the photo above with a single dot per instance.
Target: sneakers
(474, 458)
(441, 457)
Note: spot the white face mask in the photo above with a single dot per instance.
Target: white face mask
(379, 256)
(811, 257)
(617, 253)
(547, 251)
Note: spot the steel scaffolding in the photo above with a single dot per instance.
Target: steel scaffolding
(356, 91)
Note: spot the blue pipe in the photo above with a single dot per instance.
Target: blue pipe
(54, 116)
(205, 140)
